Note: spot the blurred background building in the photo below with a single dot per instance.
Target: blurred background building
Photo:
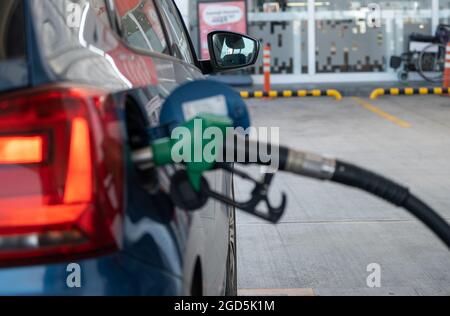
(331, 41)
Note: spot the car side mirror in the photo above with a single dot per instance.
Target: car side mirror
(229, 50)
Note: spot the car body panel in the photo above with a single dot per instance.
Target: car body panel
(13, 74)
(110, 275)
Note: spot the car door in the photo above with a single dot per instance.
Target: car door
(215, 216)
(140, 28)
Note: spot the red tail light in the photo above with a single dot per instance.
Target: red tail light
(60, 175)
(21, 149)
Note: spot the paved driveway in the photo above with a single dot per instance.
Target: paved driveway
(331, 234)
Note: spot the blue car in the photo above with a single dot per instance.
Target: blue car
(81, 82)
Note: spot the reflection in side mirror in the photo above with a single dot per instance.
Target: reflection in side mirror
(232, 50)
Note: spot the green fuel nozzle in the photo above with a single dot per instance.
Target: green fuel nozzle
(196, 144)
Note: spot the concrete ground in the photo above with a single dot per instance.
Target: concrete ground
(330, 234)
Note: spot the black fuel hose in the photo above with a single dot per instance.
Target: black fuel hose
(390, 191)
(318, 167)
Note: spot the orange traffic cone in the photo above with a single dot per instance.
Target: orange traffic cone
(447, 67)
(267, 68)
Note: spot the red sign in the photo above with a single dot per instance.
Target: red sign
(223, 16)
(123, 7)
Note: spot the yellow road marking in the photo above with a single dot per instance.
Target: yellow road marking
(302, 93)
(334, 93)
(287, 93)
(316, 93)
(437, 91)
(382, 113)
(423, 91)
(258, 94)
(409, 91)
(395, 91)
(376, 93)
(245, 94)
(273, 94)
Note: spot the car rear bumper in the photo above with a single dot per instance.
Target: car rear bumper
(118, 275)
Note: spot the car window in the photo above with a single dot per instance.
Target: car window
(13, 64)
(12, 30)
(178, 38)
(140, 25)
